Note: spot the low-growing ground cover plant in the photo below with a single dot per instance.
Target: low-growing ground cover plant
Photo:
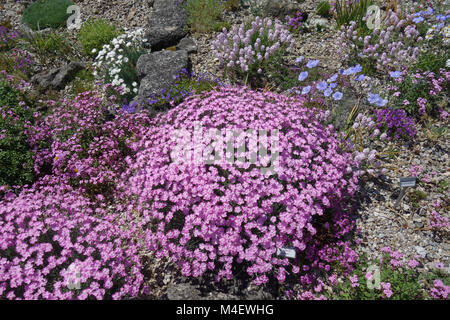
(8, 37)
(389, 278)
(16, 62)
(16, 117)
(46, 14)
(57, 247)
(395, 123)
(214, 216)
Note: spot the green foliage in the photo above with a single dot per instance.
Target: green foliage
(323, 9)
(84, 81)
(431, 61)
(231, 5)
(218, 26)
(96, 33)
(128, 70)
(46, 14)
(416, 196)
(17, 63)
(48, 46)
(16, 158)
(347, 11)
(404, 283)
(443, 186)
(203, 14)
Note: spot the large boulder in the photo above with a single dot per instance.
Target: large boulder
(167, 24)
(187, 44)
(59, 77)
(158, 71)
(282, 8)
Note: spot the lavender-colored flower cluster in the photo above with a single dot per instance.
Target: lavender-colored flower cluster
(297, 21)
(209, 217)
(248, 49)
(392, 47)
(395, 123)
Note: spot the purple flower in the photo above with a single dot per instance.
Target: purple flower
(395, 74)
(303, 75)
(376, 99)
(337, 96)
(360, 77)
(322, 85)
(333, 85)
(312, 63)
(333, 78)
(327, 92)
(306, 90)
(418, 19)
(299, 59)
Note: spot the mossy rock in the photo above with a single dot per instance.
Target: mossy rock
(44, 14)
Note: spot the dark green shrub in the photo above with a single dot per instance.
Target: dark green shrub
(231, 5)
(46, 14)
(16, 158)
(96, 33)
(323, 9)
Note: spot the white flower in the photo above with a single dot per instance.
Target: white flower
(94, 50)
(447, 64)
(135, 90)
(134, 84)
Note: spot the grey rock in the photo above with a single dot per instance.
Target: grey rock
(167, 24)
(187, 44)
(257, 293)
(158, 71)
(320, 22)
(418, 224)
(282, 8)
(59, 77)
(421, 250)
(182, 291)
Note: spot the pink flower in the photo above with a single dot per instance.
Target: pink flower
(354, 281)
(413, 264)
(386, 289)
